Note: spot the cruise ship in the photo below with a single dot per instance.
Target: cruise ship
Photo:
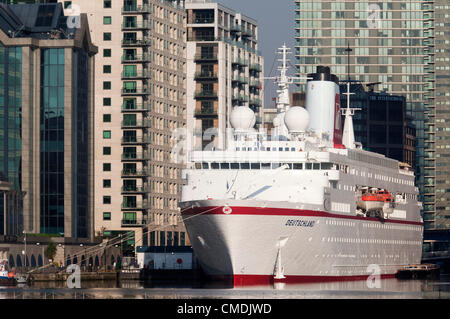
(305, 204)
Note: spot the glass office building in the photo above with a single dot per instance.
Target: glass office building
(391, 42)
(46, 117)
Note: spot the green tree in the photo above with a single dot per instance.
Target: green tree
(50, 252)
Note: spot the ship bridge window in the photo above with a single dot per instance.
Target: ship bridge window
(224, 165)
(275, 165)
(298, 165)
(308, 165)
(326, 166)
(234, 165)
(238, 149)
(289, 165)
(198, 165)
(267, 149)
(245, 166)
(293, 149)
(280, 149)
(255, 165)
(265, 165)
(286, 149)
(205, 165)
(215, 165)
(274, 148)
(316, 165)
(262, 149)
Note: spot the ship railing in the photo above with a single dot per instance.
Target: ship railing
(405, 172)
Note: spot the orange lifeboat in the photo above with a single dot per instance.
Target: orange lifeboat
(377, 196)
(376, 201)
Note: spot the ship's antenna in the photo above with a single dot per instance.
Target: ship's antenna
(283, 81)
(348, 136)
(348, 50)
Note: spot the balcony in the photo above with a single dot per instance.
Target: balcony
(136, 123)
(133, 140)
(135, 91)
(202, 76)
(239, 98)
(205, 112)
(135, 173)
(235, 28)
(134, 26)
(145, 107)
(239, 61)
(255, 101)
(135, 206)
(134, 222)
(134, 9)
(246, 32)
(255, 67)
(204, 20)
(127, 75)
(135, 190)
(255, 84)
(205, 95)
(135, 58)
(136, 42)
(205, 58)
(238, 79)
(135, 157)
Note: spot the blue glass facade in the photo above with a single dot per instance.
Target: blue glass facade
(11, 114)
(52, 141)
(81, 103)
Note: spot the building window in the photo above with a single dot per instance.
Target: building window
(106, 150)
(106, 118)
(106, 53)
(106, 183)
(107, 167)
(107, 4)
(107, 216)
(107, 36)
(106, 20)
(106, 69)
(106, 199)
(106, 101)
(107, 134)
(106, 85)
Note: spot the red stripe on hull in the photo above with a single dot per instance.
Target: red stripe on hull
(261, 280)
(271, 211)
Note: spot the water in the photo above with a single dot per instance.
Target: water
(389, 289)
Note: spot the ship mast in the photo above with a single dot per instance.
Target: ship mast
(348, 136)
(283, 82)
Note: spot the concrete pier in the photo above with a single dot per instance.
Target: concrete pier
(62, 276)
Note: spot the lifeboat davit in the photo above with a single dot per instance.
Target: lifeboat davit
(376, 200)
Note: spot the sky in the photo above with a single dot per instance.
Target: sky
(276, 20)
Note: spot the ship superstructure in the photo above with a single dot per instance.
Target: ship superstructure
(305, 204)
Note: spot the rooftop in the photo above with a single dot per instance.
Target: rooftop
(39, 21)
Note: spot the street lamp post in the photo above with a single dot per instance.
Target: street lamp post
(25, 249)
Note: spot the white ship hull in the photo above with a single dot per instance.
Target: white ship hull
(241, 243)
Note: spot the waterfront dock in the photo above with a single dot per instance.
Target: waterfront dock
(84, 276)
(423, 271)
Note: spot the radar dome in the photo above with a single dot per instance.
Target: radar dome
(242, 118)
(296, 119)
